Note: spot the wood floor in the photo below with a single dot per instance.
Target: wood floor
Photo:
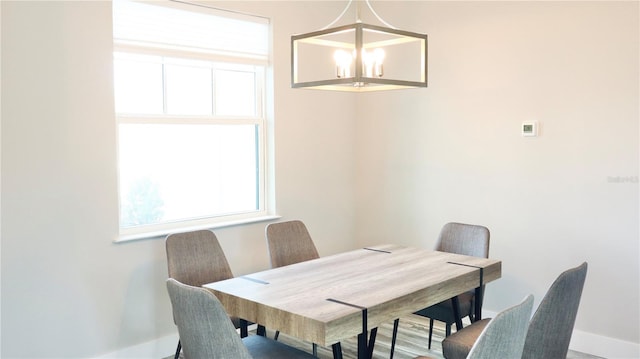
(411, 342)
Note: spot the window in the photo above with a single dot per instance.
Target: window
(190, 94)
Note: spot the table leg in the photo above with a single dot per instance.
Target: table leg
(337, 351)
(362, 346)
(455, 304)
(394, 337)
(478, 294)
(365, 346)
(372, 342)
(244, 332)
(479, 297)
(478, 304)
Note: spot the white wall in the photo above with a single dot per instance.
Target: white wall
(453, 151)
(373, 167)
(67, 289)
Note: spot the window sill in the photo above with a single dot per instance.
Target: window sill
(161, 234)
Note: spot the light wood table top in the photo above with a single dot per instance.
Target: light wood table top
(322, 300)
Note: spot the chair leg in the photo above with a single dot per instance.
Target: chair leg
(430, 331)
(178, 349)
(472, 316)
(447, 330)
(393, 337)
(275, 336)
(315, 350)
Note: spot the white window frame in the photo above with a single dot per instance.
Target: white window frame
(264, 89)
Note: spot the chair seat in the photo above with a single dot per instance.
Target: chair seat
(264, 348)
(236, 322)
(458, 345)
(443, 311)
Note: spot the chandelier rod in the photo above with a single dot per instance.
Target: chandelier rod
(339, 16)
(358, 16)
(378, 17)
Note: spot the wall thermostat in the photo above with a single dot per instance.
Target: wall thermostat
(530, 129)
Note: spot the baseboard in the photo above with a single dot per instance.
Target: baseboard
(160, 348)
(602, 346)
(156, 349)
(595, 344)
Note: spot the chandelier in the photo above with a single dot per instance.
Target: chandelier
(359, 57)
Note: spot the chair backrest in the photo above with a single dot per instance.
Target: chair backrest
(204, 326)
(467, 239)
(552, 324)
(504, 336)
(289, 243)
(196, 258)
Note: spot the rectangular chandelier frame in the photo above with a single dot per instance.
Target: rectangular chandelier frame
(361, 79)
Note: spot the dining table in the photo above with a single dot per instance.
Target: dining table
(341, 296)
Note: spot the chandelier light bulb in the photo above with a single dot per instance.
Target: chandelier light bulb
(372, 62)
(379, 56)
(343, 63)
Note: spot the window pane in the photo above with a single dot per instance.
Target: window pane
(235, 93)
(138, 84)
(178, 172)
(188, 90)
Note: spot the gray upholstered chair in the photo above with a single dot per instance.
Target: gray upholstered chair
(552, 325)
(503, 337)
(196, 258)
(206, 331)
(289, 243)
(459, 238)
(550, 328)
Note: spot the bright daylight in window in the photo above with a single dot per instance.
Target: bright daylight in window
(190, 107)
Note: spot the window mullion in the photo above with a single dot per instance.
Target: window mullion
(194, 120)
(213, 91)
(164, 88)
